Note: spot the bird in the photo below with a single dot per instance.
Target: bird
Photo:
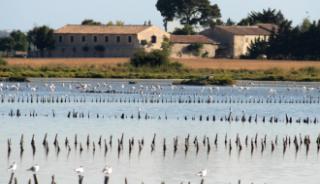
(13, 167)
(34, 168)
(107, 170)
(79, 170)
(203, 173)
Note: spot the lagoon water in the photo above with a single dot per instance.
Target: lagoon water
(110, 99)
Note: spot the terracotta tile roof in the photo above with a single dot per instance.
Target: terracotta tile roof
(245, 30)
(191, 39)
(101, 29)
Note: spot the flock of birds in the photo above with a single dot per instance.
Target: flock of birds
(106, 171)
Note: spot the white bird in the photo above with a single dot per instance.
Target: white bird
(34, 168)
(13, 167)
(107, 170)
(79, 170)
(203, 173)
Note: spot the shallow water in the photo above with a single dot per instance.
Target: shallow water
(164, 100)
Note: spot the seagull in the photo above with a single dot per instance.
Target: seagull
(203, 173)
(107, 170)
(34, 168)
(13, 167)
(79, 170)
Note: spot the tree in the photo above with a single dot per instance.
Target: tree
(271, 16)
(16, 41)
(110, 23)
(90, 22)
(189, 12)
(230, 22)
(119, 23)
(194, 12)
(258, 48)
(168, 9)
(186, 30)
(42, 38)
(306, 24)
(290, 43)
(20, 41)
(6, 45)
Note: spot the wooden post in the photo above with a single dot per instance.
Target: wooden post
(11, 178)
(53, 180)
(80, 179)
(106, 179)
(202, 181)
(35, 179)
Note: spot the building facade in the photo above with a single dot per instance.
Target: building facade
(235, 40)
(192, 46)
(105, 41)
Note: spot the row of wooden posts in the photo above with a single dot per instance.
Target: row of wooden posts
(231, 117)
(251, 143)
(162, 100)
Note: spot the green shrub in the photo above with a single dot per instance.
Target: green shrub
(152, 59)
(3, 62)
(195, 48)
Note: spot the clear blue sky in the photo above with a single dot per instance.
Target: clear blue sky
(24, 14)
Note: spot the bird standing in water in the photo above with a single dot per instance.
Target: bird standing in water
(203, 173)
(34, 168)
(13, 167)
(107, 170)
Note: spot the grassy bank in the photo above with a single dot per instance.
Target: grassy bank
(171, 71)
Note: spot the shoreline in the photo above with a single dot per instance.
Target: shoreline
(170, 81)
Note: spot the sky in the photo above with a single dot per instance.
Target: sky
(25, 14)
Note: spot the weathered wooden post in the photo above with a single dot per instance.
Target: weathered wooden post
(53, 180)
(35, 179)
(202, 181)
(80, 179)
(106, 179)
(11, 178)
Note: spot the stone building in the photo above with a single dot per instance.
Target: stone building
(191, 46)
(105, 41)
(235, 40)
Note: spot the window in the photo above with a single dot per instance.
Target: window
(60, 39)
(129, 39)
(62, 50)
(95, 39)
(74, 50)
(106, 39)
(71, 39)
(118, 39)
(83, 38)
(153, 39)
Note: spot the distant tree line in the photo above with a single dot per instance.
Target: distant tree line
(290, 42)
(39, 38)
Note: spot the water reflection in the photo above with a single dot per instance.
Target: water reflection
(253, 134)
